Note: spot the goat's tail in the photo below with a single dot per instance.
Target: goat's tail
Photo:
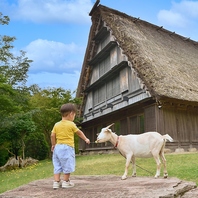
(168, 137)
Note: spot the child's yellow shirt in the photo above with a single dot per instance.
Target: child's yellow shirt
(64, 131)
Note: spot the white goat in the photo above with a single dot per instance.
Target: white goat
(143, 145)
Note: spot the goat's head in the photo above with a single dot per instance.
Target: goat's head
(105, 134)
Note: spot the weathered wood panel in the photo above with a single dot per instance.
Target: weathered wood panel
(192, 122)
(95, 74)
(124, 128)
(133, 124)
(103, 42)
(170, 126)
(133, 79)
(159, 120)
(150, 118)
(124, 80)
(120, 56)
(89, 103)
(181, 125)
(113, 57)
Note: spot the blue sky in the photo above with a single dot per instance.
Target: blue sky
(54, 33)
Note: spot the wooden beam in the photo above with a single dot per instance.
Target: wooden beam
(160, 28)
(94, 7)
(172, 33)
(137, 19)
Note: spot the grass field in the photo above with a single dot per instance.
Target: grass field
(183, 166)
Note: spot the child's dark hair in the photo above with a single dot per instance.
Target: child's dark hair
(67, 108)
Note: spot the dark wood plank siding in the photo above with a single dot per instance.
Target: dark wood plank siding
(159, 120)
(180, 124)
(169, 126)
(133, 125)
(192, 122)
(124, 128)
(150, 118)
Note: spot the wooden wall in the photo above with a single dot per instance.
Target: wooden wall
(180, 124)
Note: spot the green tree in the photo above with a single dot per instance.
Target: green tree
(13, 68)
(4, 19)
(15, 129)
(13, 75)
(13, 72)
(36, 146)
(13, 93)
(7, 93)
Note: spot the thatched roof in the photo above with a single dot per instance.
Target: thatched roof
(166, 62)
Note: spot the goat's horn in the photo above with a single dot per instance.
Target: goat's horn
(110, 125)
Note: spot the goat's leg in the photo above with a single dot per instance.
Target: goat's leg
(133, 166)
(164, 163)
(158, 162)
(128, 160)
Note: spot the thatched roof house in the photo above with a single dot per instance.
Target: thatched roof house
(163, 64)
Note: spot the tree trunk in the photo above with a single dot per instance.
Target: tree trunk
(17, 162)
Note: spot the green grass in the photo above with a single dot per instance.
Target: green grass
(182, 166)
(14, 178)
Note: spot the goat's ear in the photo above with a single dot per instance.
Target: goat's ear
(110, 125)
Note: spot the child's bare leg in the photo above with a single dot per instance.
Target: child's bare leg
(66, 177)
(57, 177)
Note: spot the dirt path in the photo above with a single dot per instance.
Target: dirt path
(107, 187)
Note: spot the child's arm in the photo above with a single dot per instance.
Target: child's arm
(82, 136)
(53, 141)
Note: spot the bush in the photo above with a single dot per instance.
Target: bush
(3, 157)
(36, 146)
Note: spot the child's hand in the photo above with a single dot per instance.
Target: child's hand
(87, 141)
(52, 148)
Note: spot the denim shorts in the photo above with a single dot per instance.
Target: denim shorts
(63, 159)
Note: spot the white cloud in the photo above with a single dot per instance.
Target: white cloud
(180, 14)
(54, 57)
(47, 11)
(172, 18)
(189, 8)
(46, 80)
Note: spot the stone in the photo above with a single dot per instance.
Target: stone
(108, 187)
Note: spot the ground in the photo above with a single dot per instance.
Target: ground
(108, 187)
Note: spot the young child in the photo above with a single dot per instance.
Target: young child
(62, 140)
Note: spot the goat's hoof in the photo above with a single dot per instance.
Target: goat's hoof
(165, 176)
(123, 177)
(156, 176)
(134, 175)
